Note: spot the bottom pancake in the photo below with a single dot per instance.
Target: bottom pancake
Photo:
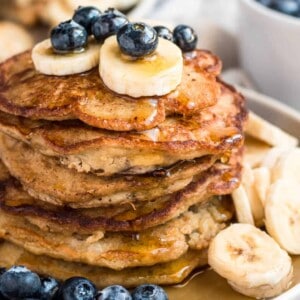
(194, 229)
(162, 274)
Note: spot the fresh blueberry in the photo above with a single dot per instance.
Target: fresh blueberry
(114, 292)
(108, 24)
(19, 283)
(68, 36)
(289, 7)
(86, 16)
(164, 32)
(48, 288)
(185, 37)
(77, 288)
(137, 39)
(149, 292)
(267, 3)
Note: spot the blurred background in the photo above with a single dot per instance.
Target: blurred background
(259, 46)
(206, 16)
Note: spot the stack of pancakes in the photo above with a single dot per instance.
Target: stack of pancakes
(115, 189)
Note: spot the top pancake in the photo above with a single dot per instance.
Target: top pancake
(25, 92)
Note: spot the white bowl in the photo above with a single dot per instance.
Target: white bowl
(270, 50)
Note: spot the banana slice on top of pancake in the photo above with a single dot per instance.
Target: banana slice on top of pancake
(48, 62)
(156, 74)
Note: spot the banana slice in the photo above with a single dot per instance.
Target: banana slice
(287, 166)
(248, 182)
(50, 63)
(267, 132)
(158, 74)
(283, 214)
(273, 155)
(262, 182)
(251, 261)
(255, 151)
(242, 206)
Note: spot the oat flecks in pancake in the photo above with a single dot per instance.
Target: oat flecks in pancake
(25, 92)
(214, 130)
(194, 229)
(161, 274)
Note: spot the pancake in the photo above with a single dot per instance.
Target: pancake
(4, 174)
(161, 274)
(194, 229)
(214, 131)
(221, 179)
(51, 182)
(28, 93)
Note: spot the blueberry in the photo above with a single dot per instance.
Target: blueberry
(289, 7)
(164, 32)
(108, 24)
(86, 16)
(185, 37)
(2, 270)
(18, 283)
(149, 292)
(48, 288)
(114, 292)
(137, 39)
(77, 288)
(68, 36)
(267, 3)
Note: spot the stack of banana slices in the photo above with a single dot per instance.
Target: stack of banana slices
(254, 263)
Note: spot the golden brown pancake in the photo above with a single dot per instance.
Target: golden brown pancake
(49, 181)
(221, 179)
(27, 93)
(162, 274)
(214, 131)
(193, 229)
